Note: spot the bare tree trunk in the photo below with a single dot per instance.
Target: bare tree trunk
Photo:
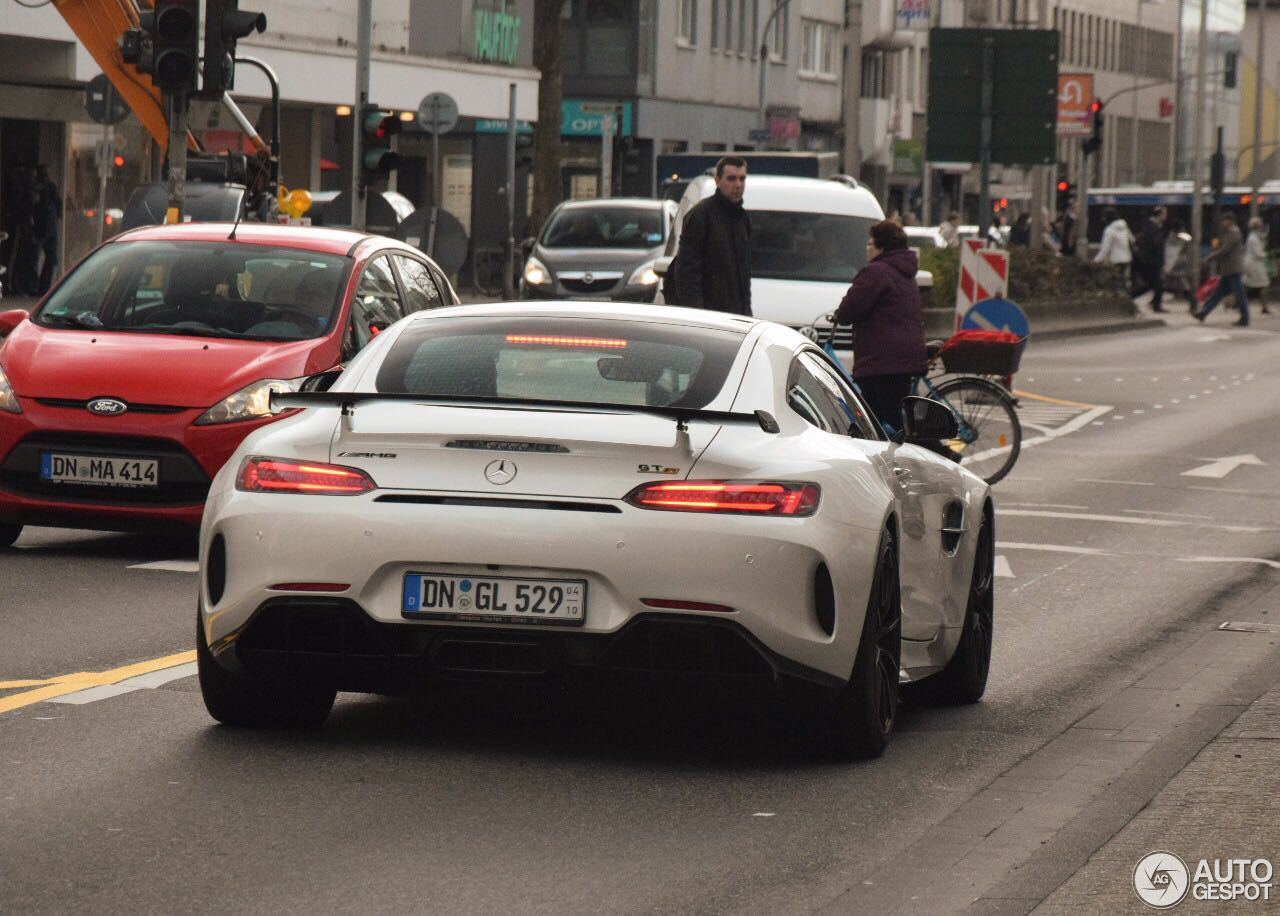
(546, 151)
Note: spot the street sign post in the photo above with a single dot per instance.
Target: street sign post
(437, 114)
(103, 103)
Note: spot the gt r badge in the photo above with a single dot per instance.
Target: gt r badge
(107, 407)
(500, 472)
(655, 469)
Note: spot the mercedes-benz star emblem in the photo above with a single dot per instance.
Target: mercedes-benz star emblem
(106, 407)
(500, 472)
(588, 278)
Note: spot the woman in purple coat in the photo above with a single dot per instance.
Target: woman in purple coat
(883, 305)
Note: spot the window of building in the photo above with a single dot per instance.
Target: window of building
(746, 40)
(715, 22)
(817, 48)
(688, 23)
(778, 35)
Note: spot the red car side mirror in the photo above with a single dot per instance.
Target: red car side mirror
(11, 319)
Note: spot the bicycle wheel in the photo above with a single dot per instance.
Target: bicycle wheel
(990, 433)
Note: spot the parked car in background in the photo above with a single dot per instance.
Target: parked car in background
(137, 376)
(922, 238)
(808, 239)
(599, 249)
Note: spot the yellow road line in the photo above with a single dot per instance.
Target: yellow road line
(1048, 400)
(70, 683)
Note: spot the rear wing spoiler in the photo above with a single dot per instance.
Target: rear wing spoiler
(349, 400)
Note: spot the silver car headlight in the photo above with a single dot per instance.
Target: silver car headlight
(644, 275)
(249, 403)
(536, 273)
(8, 400)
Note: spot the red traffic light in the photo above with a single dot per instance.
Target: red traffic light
(118, 161)
(1063, 186)
(1096, 106)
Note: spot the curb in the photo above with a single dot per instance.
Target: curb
(1088, 330)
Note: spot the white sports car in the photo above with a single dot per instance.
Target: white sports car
(567, 489)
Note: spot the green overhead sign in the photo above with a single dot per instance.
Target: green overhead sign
(1024, 95)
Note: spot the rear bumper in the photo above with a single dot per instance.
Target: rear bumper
(765, 570)
(337, 641)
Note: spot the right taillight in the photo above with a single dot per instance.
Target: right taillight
(734, 497)
(277, 475)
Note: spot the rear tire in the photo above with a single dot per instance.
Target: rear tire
(964, 680)
(9, 534)
(241, 700)
(857, 722)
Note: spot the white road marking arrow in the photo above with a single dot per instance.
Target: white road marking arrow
(1002, 568)
(1221, 467)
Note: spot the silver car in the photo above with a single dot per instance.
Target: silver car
(599, 249)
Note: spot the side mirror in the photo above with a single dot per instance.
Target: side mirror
(526, 245)
(661, 266)
(321, 381)
(11, 319)
(925, 418)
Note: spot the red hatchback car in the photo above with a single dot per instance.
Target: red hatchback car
(137, 376)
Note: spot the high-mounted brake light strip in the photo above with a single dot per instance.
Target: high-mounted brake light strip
(608, 343)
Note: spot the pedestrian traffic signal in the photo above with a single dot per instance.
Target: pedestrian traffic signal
(377, 127)
(175, 33)
(224, 25)
(1094, 141)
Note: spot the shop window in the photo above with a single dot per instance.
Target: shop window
(688, 23)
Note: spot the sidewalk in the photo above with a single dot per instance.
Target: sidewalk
(1222, 805)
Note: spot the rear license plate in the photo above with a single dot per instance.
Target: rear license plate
(99, 470)
(495, 599)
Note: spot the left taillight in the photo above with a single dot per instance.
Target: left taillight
(735, 497)
(276, 475)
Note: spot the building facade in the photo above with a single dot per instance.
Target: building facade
(472, 49)
(1258, 158)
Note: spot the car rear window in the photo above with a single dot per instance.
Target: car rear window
(560, 359)
(605, 227)
(205, 289)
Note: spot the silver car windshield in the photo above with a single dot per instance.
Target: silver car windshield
(605, 227)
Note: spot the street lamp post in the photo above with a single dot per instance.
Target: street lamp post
(1197, 162)
(764, 58)
(1258, 69)
(1138, 67)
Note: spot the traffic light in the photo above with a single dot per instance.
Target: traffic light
(377, 128)
(1230, 63)
(1066, 191)
(224, 25)
(1217, 173)
(1094, 142)
(175, 33)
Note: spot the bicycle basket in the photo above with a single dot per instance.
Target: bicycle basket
(983, 352)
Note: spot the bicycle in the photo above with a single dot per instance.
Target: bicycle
(989, 439)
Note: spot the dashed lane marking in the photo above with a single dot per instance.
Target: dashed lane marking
(83, 680)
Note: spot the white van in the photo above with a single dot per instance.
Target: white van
(808, 239)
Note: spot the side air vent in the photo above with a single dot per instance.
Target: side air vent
(824, 600)
(952, 528)
(215, 569)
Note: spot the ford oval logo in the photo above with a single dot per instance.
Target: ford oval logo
(107, 407)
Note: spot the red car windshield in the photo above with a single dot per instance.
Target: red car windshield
(203, 289)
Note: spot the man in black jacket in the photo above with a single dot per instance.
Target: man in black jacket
(1150, 264)
(713, 265)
